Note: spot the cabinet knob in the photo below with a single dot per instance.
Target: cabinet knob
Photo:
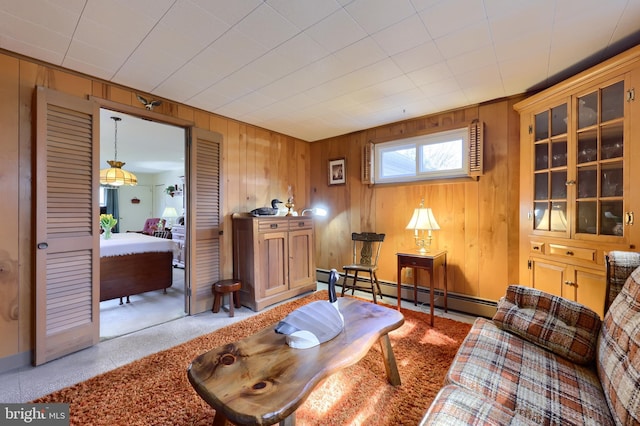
(570, 283)
(300, 224)
(569, 253)
(274, 226)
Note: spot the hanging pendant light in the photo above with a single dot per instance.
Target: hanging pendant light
(115, 175)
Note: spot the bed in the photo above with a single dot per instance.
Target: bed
(132, 263)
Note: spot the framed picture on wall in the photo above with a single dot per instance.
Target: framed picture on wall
(337, 171)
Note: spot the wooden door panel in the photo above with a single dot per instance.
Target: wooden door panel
(67, 252)
(204, 218)
(590, 288)
(301, 270)
(548, 276)
(273, 254)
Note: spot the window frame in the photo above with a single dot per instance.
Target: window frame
(417, 143)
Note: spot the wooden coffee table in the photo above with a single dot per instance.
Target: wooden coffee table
(260, 380)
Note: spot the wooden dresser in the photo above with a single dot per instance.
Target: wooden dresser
(273, 257)
(177, 235)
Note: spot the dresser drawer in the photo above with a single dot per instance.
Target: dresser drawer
(273, 225)
(537, 247)
(572, 252)
(301, 223)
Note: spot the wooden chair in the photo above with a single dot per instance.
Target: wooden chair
(366, 251)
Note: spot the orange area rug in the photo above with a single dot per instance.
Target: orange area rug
(155, 390)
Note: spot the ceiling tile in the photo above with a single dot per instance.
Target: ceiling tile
(508, 25)
(418, 57)
(374, 15)
(524, 47)
(195, 24)
(402, 36)
(267, 27)
(304, 13)
(31, 39)
(230, 12)
(431, 74)
(336, 31)
(301, 50)
(57, 17)
(441, 87)
(465, 40)
(449, 17)
(476, 59)
(360, 54)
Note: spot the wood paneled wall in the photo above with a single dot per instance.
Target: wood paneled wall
(258, 165)
(478, 219)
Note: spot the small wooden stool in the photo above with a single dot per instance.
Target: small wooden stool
(223, 287)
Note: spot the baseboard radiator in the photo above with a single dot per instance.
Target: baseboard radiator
(455, 301)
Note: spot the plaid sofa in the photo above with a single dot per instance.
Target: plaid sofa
(545, 360)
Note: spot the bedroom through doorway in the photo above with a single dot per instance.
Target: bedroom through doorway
(155, 153)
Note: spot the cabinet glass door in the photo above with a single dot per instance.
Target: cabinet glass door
(550, 170)
(599, 162)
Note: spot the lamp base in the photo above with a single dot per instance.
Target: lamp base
(289, 205)
(424, 244)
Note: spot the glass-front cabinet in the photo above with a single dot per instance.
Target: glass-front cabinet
(578, 165)
(577, 174)
(550, 168)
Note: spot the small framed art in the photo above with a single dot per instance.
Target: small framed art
(337, 171)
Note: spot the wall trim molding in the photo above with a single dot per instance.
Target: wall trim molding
(455, 301)
(12, 362)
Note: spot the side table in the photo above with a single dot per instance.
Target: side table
(429, 261)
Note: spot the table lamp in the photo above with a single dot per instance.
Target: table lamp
(421, 221)
(169, 214)
(314, 211)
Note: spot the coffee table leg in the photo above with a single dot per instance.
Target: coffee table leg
(389, 361)
(219, 419)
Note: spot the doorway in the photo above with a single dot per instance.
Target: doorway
(155, 153)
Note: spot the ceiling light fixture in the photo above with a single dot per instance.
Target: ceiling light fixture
(115, 175)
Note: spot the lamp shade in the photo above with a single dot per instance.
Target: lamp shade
(423, 219)
(116, 175)
(169, 212)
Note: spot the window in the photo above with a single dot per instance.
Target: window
(434, 156)
(103, 197)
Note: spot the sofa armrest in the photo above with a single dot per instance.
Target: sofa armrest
(562, 326)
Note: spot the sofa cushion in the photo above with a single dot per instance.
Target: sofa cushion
(455, 405)
(618, 357)
(564, 327)
(527, 379)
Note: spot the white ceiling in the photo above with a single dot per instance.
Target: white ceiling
(320, 68)
(144, 146)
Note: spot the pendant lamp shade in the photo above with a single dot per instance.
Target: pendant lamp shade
(116, 175)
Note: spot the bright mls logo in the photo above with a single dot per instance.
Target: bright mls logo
(34, 414)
